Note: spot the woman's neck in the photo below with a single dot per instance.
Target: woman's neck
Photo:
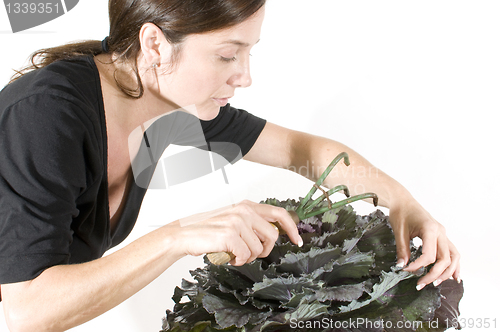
(123, 113)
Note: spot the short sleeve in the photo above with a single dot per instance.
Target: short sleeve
(236, 126)
(42, 172)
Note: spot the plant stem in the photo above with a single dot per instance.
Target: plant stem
(321, 179)
(330, 192)
(342, 203)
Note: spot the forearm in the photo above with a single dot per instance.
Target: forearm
(311, 155)
(68, 295)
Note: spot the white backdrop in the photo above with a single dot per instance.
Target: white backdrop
(413, 86)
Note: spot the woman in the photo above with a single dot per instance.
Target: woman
(69, 191)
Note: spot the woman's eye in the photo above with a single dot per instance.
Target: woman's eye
(224, 59)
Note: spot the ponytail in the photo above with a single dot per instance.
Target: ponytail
(46, 56)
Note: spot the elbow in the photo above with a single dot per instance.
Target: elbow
(14, 322)
(19, 320)
(24, 312)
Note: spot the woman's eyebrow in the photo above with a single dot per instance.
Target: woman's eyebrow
(238, 42)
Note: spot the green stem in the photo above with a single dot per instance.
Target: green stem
(330, 192)
(322, 178)
(342, 203)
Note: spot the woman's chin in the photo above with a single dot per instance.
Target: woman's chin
(208, 114)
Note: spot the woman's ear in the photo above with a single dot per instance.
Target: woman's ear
(154, 45)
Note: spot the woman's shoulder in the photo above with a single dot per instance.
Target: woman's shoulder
(66, 91)
(74, 80)
(52, 131)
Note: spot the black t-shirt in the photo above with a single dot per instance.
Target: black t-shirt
(53, 169)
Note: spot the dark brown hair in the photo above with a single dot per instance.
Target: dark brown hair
(176, 18)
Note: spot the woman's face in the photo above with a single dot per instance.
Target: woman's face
(211, 67)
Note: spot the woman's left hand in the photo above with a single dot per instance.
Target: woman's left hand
(409, 220)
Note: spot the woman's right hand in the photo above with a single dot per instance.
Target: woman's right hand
(245, 230)
(76, 293)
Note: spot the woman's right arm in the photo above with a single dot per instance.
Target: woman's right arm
(65, 296)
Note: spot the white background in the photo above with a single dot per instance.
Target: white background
(412, 86)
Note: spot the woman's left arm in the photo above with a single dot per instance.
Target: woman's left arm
(309, 156)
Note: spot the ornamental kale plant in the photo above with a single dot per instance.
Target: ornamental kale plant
(344, 278)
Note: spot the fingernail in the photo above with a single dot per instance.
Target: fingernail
(401, 263)
(437, 282)
(420, 287)
(301, 242)
(459, 280)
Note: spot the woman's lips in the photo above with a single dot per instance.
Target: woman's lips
(221, 101)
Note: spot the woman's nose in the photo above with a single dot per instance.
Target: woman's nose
(241, 78)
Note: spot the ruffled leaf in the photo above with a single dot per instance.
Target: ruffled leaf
(345, 271)
(307, 262)
(229, 314)
(280, 289)
(388, 280)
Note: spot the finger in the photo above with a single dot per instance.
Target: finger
(455, 255)
(242, 251)
(225, 236)
(255, 217)
(251, 232)
(442, 263)
(456, 274)
(234, 234)
(429, 250)
(240, 259)
(452, 268)
(257, 236)
(402, 245)
(280, 215)
(268, 234)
